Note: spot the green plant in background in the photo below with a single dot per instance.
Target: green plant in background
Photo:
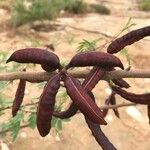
(144, 5)
(25, 11)
(98, 8)
(76, 6)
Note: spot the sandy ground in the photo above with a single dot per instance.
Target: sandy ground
(131, 132)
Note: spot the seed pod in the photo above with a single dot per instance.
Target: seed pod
(18, 97)
(93, 77)
(48, 60)
(135, 98)
(71, 111)
(148, 112)
(94, 58)
(100, 137)
(46, 105)
(120, 82)
(128, 39)
(113, 102)
(83, 101)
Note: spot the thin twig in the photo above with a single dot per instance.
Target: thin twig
(91, 31)
(117, 106)
(102, 107)
(9, 107)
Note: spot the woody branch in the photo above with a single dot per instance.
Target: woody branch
(44, 76)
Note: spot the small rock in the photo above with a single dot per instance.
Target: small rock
(133, 112)
(23, 135)
(108, 91)
(109, 118)
(4, 146)
(57, 138)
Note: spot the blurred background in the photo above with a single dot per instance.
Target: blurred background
(66, 27)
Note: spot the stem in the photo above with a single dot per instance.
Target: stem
(9, 107)
(102, 107)
(91, 31)
(117, 106)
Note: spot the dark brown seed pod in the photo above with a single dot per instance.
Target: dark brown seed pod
(18, 97)
(148, 112)
(83, 101)
(120, 82)
(46, 105)
(135, 98)
(93, 77)
(48, 60)
(100, 137)
(128, 39)
(95, 128)
(113, 102)
(71, 111)
(94, 58)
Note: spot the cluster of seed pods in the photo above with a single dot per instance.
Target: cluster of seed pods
(80, 93)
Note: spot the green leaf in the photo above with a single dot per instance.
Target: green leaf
(128, 25)
(15, 131)
(4, 102)
(59, 125)
(124, 52)
(3, 56)
(32, 120)
(41, 85)
(66, 120)
(14, 125)
(63, 63)
(1, 113)
(86, 45)
(54, 121)
(3, 84)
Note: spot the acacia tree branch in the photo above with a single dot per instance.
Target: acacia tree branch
(117, 106)
(44, 76)
(101, 107)
(91, 31)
